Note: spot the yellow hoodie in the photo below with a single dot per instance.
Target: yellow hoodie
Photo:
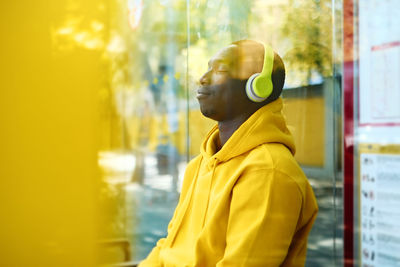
(248, 204)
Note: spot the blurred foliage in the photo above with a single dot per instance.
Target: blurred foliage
(308, 27)
(154, 68)
(157, 64)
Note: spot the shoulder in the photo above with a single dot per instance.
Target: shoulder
(273, 156)
(275, 162)
(190, 172)
(194, 162)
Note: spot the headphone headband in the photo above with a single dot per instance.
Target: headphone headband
(259, 86)
(268, 61)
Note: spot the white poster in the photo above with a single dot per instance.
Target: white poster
(380, 210)
(379, 63)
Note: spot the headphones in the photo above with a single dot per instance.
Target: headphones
(259, 85)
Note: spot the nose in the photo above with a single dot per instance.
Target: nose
(205, 78)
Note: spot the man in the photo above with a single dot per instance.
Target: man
(244, 201)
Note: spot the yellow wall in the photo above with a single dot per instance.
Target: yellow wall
(306, 120)
(49, 134)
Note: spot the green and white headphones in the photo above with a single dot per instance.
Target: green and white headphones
(259, 85)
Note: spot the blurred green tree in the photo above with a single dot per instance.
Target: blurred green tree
(308, 27)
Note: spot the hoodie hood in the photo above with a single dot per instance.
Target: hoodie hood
(266, 125)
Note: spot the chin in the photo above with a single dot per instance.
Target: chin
(207, 113)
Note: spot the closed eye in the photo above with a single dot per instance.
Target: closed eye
(222, 71)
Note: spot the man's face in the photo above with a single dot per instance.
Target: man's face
(220, 95)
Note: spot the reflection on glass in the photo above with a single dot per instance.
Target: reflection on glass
(155, 54)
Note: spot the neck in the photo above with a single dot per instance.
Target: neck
(227, 128)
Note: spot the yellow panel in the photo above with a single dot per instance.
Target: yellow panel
(306, 120)
(49, 82)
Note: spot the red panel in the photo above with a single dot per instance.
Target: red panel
(348, 128)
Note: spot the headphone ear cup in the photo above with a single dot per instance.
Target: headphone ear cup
(259, 86)
(250, 92)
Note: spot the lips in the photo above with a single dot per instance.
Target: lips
(202, 93)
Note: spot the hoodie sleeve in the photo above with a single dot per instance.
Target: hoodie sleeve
(264, 213)
(153, 259)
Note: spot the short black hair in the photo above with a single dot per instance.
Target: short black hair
(278, 78)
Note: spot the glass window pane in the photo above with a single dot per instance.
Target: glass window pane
(156, 54)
